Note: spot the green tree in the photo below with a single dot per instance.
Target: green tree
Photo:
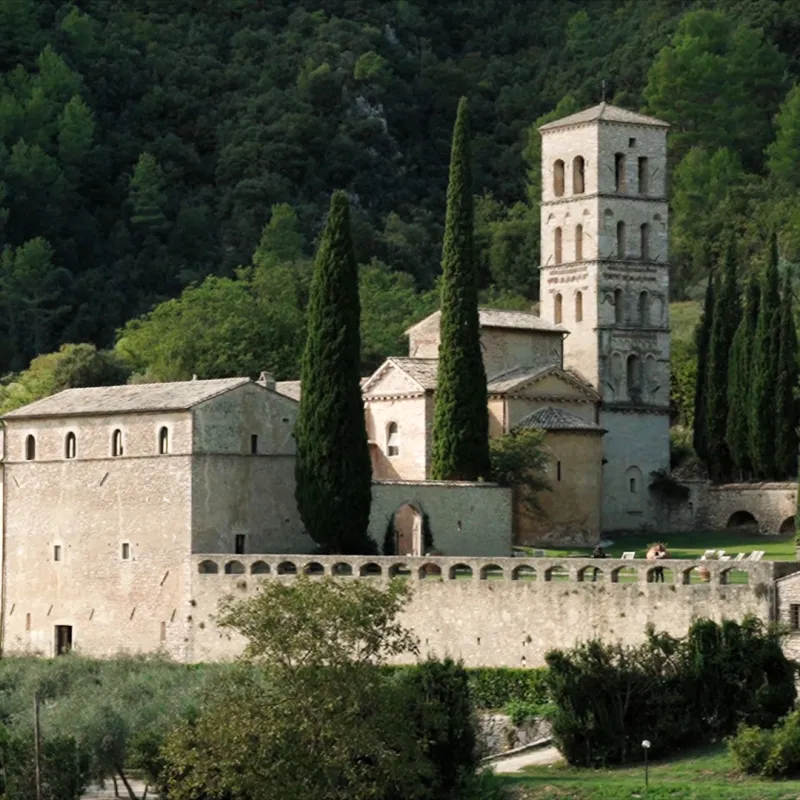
(702, 341)
(718, 84)
(461, 419)
(333, 465)
(147, 194)
(785, 398)
(75, 132)
(764, 370)
(519, 460)
(313, 716)
(723, 329)
(783, 155)
(739, 375)
(72, 366)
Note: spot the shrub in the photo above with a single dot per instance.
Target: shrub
(771, 753)
(608, 698)
(496, 688)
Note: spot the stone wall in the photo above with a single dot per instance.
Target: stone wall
(508, 612)
(473, 519)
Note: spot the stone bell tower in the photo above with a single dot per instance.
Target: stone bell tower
(605, 278)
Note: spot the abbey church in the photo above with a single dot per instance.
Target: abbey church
(593, 369)
(119, 502)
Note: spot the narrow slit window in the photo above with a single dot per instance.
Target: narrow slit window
(558, 178)
(619, 171)
(579, 242)
(116, 443)
(557, 241)
(579, 307)
(163, 441)
(794, 616)
(126, 551)
(238, 544)
(392, 440)
(254, 444)
(558, 470)
(619, 315)
(644, 308)
(632, 485)
(30, 448)
(644, 174)
(644, 243)
(57, 552)
(577, 175)
(70, 445)
(163, 634)
(620, 239)
(558, 309)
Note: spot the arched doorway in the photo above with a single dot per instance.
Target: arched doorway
(408, 531)
(787, 526)
(743, 520)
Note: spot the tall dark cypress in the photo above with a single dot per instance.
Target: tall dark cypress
(739, 381)
(764, 371)
(333, 470)
(723, 329)
(461, 419)
(702, 337)
(785, 402)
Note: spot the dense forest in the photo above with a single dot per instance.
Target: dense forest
(180, 156)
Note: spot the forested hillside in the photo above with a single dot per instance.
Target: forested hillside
(145, 144)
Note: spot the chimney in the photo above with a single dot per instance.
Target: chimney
(266, 380)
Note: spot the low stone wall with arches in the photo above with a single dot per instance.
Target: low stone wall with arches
(507, 611)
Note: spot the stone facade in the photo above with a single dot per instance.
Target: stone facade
(502, 614)
(100, 544)
(605, 276)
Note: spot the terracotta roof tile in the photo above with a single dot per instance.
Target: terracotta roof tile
(556, 419)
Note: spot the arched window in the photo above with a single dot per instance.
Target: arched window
(634, 374)
(619, 172)
(620, 239)
(618, 310)
(579, 242)
(70, 445)
(30, 447)
(558, 178)
(577, 175)
(557, 236)
(116, 443)
(644, 308)
(578, 306)
(644, 241)
(392, 440)
(163, 441)
(557, 308)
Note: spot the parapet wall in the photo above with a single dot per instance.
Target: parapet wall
(507, 611)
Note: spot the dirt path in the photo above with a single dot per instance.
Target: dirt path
(540, 757)
(95, 793)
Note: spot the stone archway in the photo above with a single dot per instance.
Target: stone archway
(787, 526)
(743, 520)
(408, 530)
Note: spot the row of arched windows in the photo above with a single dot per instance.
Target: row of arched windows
(117, 444)
(622, 243)
(619, 308)
(620, 175)
(578, 182)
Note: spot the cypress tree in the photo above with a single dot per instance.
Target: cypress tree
(461, 419)
(723, 329)
(764, 371)
(739, 380)
(785, 403)
(702, 337)
(333, 469)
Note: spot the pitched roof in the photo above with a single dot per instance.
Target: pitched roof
(498, 318)
(289, 389)
(605, 113)
(556, 419)
(177, 396)
(505, 382)
(423, 371)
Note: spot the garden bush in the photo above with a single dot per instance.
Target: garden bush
(608, 698)
(772, 753)
(496, 688)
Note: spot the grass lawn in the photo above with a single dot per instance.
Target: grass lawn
(706, 774)
(693, 545)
